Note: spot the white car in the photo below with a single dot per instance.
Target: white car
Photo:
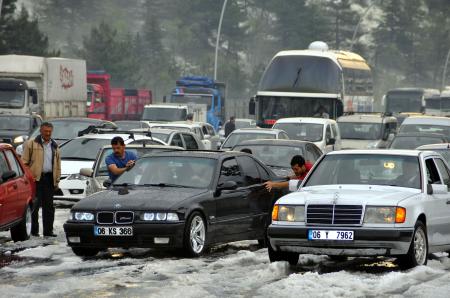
(80, 153)
(366, 203)
(322, 132)
(199, 128)
(239, 135)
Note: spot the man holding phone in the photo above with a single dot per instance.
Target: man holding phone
(120, 160)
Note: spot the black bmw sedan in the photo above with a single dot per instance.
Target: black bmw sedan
(186, 199)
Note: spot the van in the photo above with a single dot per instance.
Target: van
(324, 133)
(367, 131)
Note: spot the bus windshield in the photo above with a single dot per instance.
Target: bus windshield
(307, 74)
(198, 99)
(12, 98)
(397, 102)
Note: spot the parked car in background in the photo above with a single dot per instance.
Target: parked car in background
(99, 171)
(426, 124)
(15, 129)
(80, 153)
(131, 124)
(367, 131)
(17, 194)
(414, 140)
(443, 149)
(198, 128)
(183, 139)
(277, 154)
(366, 203)
(322, 132)
(243, 134)
(179, 199)
(239, 123)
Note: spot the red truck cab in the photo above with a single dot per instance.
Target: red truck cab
(17, 194)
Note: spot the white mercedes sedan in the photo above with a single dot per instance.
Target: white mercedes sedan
(366, 203)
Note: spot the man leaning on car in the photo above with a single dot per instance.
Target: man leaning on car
(42, 156)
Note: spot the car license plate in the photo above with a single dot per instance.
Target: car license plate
(330, 235)
(113, 231)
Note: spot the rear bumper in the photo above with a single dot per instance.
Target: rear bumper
(143, 235)
(367, 241)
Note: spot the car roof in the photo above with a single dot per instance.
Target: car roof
(149, 146)
(365, 118)
(155, 130)
(126, 137)
(427, 120)
(277, 142)
(377, 152)
(179, 124)
(257, 130)
(421, 134)
(79, 119)
(305, 120)
(200, 153)
(434, 146)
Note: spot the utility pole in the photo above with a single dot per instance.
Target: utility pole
(444, 73)
(359, 24)
(218, 37)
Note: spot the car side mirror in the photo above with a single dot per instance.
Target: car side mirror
(8, 175)
(294, 184)
(252, 106)
(331, 141)
(107, 183)
(438, 189)
(88, 172)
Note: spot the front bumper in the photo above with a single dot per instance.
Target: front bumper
(143, 235)
(367, 241)
(71, 190)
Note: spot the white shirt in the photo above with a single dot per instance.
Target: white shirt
(48, 156)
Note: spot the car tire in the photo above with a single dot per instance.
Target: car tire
(194, 240)
(85, 251)
(22, 231)
(277, 256)
(418, 250)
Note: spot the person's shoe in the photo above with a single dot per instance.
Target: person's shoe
(35, 234)
(50, 235)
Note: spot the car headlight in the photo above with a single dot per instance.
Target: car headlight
(291, 213)
(76, 177)
(19, 139)
(385, 215)
(83, 216)
(159, 216)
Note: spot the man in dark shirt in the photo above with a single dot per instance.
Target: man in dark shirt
(120, 160)
(229, 126)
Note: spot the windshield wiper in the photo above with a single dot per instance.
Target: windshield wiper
(124, 184)
(166, 185)
(297, 78)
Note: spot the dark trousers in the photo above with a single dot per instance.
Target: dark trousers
(45, 190)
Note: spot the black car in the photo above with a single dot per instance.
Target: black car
(183, 199)
(277, 154)
(15, 129)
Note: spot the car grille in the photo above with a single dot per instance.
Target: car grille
(105, 217)
(334, 214)
(118, 217)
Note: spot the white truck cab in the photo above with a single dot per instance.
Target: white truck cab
(324, 133)
(170, 112)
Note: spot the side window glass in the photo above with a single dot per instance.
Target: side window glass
(249, 170)
(176, 141)
(443, 171)
(13, 163)
(205, 130)
(335, 134)
(3, 165)
(263, 173)
(432, 172)
(309, 156)
(317, 152)
(190, 142)
(328, 133)
(230, 172)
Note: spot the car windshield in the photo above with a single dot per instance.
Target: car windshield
(12, 98)
(244, 124)
(83, 148)
(360, 131)
(66, 130)
(412, 142)
(181, 171)
(164, 114)
(15, 123)
(102, 170)
(368, 169)
(273, 155)
(161, 136)
(236, 138)
(411, 128)
(311, 132)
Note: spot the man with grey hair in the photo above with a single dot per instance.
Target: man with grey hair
(42, 156)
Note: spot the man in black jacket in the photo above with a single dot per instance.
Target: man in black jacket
(229, 126)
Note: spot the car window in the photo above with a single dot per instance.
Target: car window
(310, 154)
(205, 130)
(443, 171)
(263, 173)
(190, 142)
(13, 163)
(284, 136)
(211, 131)
(230, 172)
(335, 132)
(3, 164)
(432, 172)
(176, 140)
(249, 170)
(328, 133)
(316, 152)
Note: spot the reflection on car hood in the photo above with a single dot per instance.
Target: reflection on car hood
(356, 144)
(73, 166)
(138, 198)
(350, 195)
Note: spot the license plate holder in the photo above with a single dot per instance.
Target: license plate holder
(336, 235)
(121, 231)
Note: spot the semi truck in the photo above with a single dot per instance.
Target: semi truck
(50, 87)
(105, 102)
